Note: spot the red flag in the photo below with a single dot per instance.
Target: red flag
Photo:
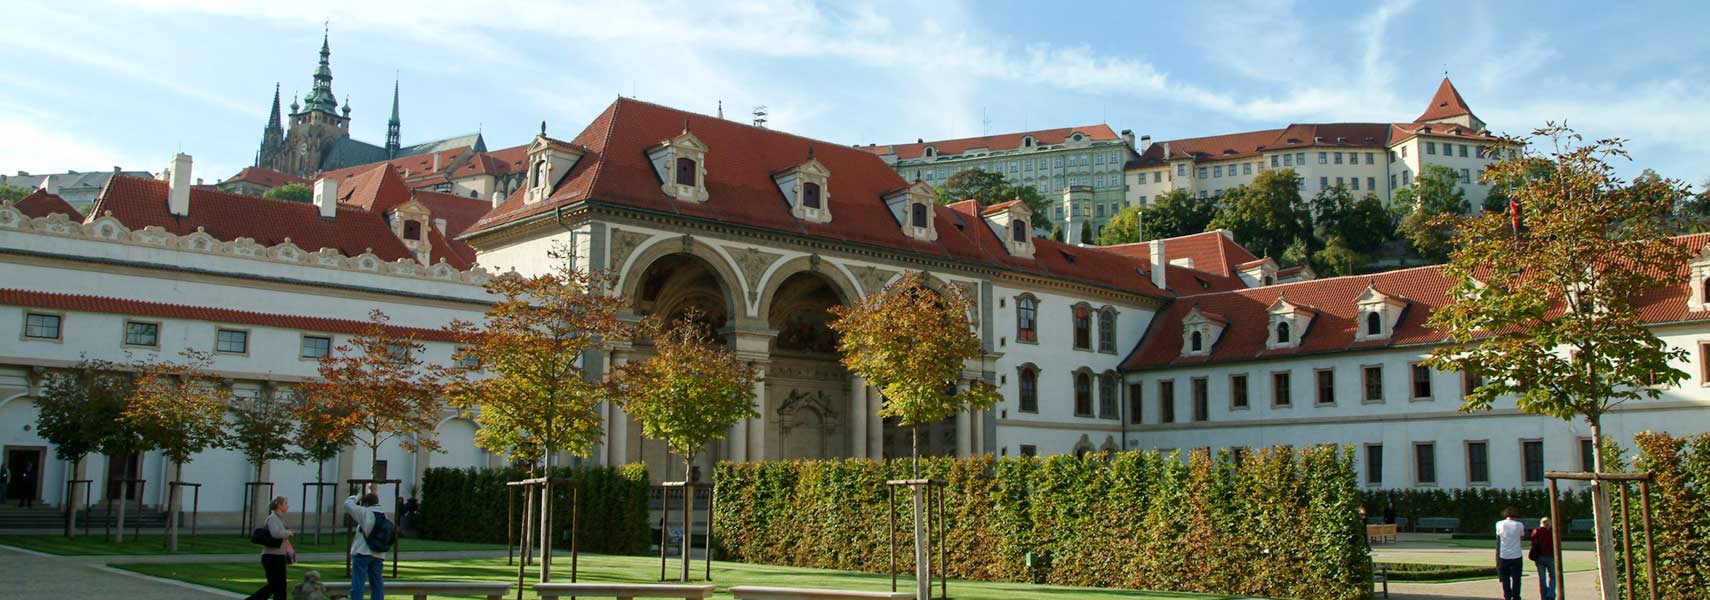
(1514, 215)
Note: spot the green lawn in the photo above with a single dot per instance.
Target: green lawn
(225, 543)
(1490, 544)
(246, 577)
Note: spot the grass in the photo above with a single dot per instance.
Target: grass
(247, 577)
(207, 543)
(1490, 544)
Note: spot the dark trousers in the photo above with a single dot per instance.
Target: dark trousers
(274, 566)
(1508, 570)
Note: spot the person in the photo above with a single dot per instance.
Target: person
(5, 481)
(1363, 534)
(1544, 558)
(1389, 514)
(27, 486)
(1508, 555)
(365, 565)
(274, 559)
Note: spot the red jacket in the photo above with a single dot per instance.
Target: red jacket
(1543, 542)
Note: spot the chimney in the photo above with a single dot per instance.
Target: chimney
(1145, 142)
(498, 199)
(1128, 137)
(116, 169)
(326, 197)
(440, 225)
(1158, 263)
(50, 184)
(1166, 150)
(198, 181)
(436, 162)
(178, 180)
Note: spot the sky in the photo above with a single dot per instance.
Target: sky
(92, 85)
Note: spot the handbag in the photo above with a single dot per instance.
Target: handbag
(1532, 555)
(290, 553)
(263, 537)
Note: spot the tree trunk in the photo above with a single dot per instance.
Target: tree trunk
(1604, 530)
(688, 514)
(374, 462)
(546, 519)
(172, 508)
(70, 500)
(124, 499)
(914, 450)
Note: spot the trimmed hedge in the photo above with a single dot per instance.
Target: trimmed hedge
(1680, 514)
(1280, 523)
(1477, 508)
(1426, 572)
(469, 505)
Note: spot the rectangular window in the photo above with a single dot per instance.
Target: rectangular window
(1370, 159)
(1217, 171)
(138, 333)
(1246, 168)
(1430, 147)
(1083, 328)
(1466, 176)
(1374, 383)
(1201, 399)
(1279, 389)
(1532, 457)
(1204, 172)
(1288, 160)
(1470, 382)
(231, 341)
(1478, 463)
(1157, 176)
(1392, 181)
(40, 326)
(1238, 391)
(1326, 386)
(1421, 382)
(1356, 183)
(1587, 455)
(1463, 150)
(1181, 170)
(1323, 158)
(1167, 401)
(1323, 183)
(1425, 463)
(1338, 182)
(1371, 183)
(1374, 465)
(1273, 161)
(1338, 158)
(314, 347)
(1135, 402)
(1029, 451)
(1406, 178)
(1300, 158)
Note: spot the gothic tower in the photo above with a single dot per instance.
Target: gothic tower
(392, 141)
(315, 126)
(272, 138)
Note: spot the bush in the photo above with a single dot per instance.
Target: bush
(1477, 508)
(1276, 523)
(1423, 572)
(469, 505)
(1680, 514)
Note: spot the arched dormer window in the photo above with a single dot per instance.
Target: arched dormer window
(1282, 334)
(1018, 231)
(810, 195)
(1196, 342)
(930, 152)
(685, 171)
(1027, 142)
(1374, 323)
(540, 174)
(917, 215)
(1028, 380)
(1083, 394)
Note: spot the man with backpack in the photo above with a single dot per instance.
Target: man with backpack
(368, 549)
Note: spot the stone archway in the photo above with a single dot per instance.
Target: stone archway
(808, 393)
(669, 285)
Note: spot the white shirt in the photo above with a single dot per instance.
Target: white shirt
(364, 516)
(1508, 534)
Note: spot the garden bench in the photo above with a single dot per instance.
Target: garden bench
(1380, 576)
(622, 591)
(1449, 524)
(1379, 534)
(1582, 525)
(749, 592)
(420, 590)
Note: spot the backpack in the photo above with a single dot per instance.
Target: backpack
(380, 537)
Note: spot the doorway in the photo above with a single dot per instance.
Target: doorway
(122, 467)
(24, 472)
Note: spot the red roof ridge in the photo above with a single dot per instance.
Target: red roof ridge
(999, 207)
(112, 305)
(737, 123)
(1007, 133)
(1320, 281)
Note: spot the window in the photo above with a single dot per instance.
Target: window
(1355, 181)
(1392, 181)
(1204, 172)
(1587, 455)
(1279, 389)
(1029, 451)
(1374, 465)
(1326, 386)
(1083, 328)
(1098, 160)
(1374, 323)
(1338, 182)
(1246, 168)
(1181, 170)
(1196, 342)
(1217, 171)
(1282, 333)
(1430, 147)
(1166, 401)
(1421, 382)
(138, 333)
(1374, 383)
(1463, 150)
(1404, 151)
(810, 195)
(1026, 319)
(917, 215)
(1300, 158)
(231, 341)
(466, 358)
(1406, 178)
(1201, 399)
(1425, 463)
(314, 347)
(1018, 231)
(1371, 183)
(1323, 183)
(1466, 176)
(1029, 389)
(1469, 382)
(1134, 402)
(413, 230)
(1083, 395)
(1238, 391)
(1478, 463)
(1532, 457)
(1107, 396)
(1338, 158)
(1323, 158)
(1288, 160)
(41, 326)
(1273, 161)
(1370, 159)
(1059, 161)
(686, 171)
(1107, 330)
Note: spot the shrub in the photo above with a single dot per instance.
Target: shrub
(470, 505)
(1424, 572)
(1276, 523)
(1477, 508)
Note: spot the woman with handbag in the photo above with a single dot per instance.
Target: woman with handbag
(1543, 555)
(276, 551)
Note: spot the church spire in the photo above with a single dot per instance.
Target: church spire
(273, 120)
(321, 98)
(392, 141)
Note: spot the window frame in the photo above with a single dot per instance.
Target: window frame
(1370, 481)
(812, 191)
(58, 326)
(1107, 330)
(1414, 381)
(1282, 396)
(1136, 402)
(1080, 321)
(1083, 392)
(1418, 474)
(1108, 390)
(1027, 319)
(125, 337)
(1025, 373)
(1318, 380)
(301, 339)
(1199, 389)
(1526, 463)
(693, 171)
(1483, 445)
(1366, 372)
(222, 330)
(1587, 450)
(1166, 401)
(1245, 391)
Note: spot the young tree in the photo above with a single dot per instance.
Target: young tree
(1268, 215)
(263, 428)
(323, 430)
(690, 392)
(1435, 193)
(1124, 228)
(1176, 213)
(1346, 230)
(78, 408)
(911, 342)
(377, 389)
(988, 188)
(180, 408)
(291, 192)
(10, 195)
(1545, 314)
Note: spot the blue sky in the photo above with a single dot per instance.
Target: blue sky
(93, 85)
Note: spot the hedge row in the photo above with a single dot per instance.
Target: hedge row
(1477, 508)
(1680, 514)
(469, 505)
(1278, 523)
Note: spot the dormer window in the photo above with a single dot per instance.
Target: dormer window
(681, 164)
(1010, 222)
(1196, 342)
(931, 152)
(1200, 331)
(1379, 312)
(917, 215)
(686, 171)
(1018, 231)
(413, 230)
(1698, 286)
(1374, 324)
(810, 195)
(1288, 324)
(1027, 142)
(1283, 338)
(551, 160)
(806, 187)
(912, 208)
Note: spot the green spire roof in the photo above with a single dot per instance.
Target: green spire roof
(321, 97)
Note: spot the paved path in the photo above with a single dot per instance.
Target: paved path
(30, 576)
(1581, 585)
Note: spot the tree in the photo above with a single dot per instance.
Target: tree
(911, 343)
(323, 431)
(10, 195)
(1268, 215)
(988, 188)
(80, 407)
(690, 392)
(376, 389)
(179, 407)
(1086, 232)
(1545, 315)
(1176, 213)
(263, 429)
(1124, 228)
(1435, 192)
(1346, 230)
(291, 192)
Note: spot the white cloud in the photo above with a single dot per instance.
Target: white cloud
(32, 147)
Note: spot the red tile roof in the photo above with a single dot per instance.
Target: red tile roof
(1214, 252)
(741, 191)
(40, 204)
(138, 308)
(1002, 141)
(1404, 131)
(1446, 103)
(267, 178)
(1248, 144)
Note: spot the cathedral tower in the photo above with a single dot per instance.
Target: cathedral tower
(392, 141)
(315, 126)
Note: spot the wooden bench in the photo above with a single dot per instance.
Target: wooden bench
(749, 592)
(1447, 524)
(1380, 576)
(622, 591)
(420, 590)
(1380, 534)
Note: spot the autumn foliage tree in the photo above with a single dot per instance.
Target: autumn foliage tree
(690, 392)
(1546, 314)
(180, 408)
(263, 428)
(376, 389)
(79, 407)
(912, 342)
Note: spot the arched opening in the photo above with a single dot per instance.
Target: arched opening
(1083, 395)
(1196, 342)
(800, 313)
(807, 389)
(676, 284)
(1282, 333)
(686, 171)
(1374, 324)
